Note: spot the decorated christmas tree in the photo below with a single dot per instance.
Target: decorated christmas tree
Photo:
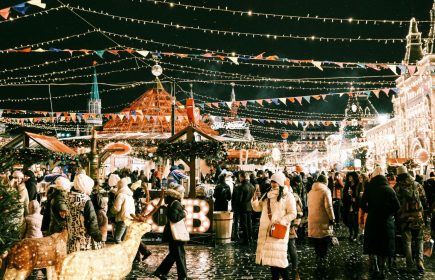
(353, 131)
(9, 218)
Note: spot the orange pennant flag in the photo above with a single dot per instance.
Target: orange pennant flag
(291, 99)
(129, 50)
(260, 101)
(260, 56)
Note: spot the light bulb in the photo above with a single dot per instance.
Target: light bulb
(157, 70)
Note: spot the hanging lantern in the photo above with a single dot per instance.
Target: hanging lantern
(284, 135)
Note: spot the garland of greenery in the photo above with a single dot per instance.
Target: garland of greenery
(26, 156)
(207, 150)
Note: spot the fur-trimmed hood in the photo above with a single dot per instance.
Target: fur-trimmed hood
(174, 194)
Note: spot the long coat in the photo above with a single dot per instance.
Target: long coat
(380, 202)
(272, 251)
(222, 194)
(320, 211)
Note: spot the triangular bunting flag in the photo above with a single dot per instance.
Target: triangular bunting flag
(4, 13)
(291, 99)
(307, 98)
(244, 103)
(283, 100)
(120, 116)
(143, 53)
(299, 99)
(318, 64)
(229, 104)
(99, 53)
(21, 8)
(296, 123)
(376, 92)
(276, 101)
(260, 56)
(114, 52)
(234, 59)
(386, 90)
(260, 101)
(393, 68)
(37, 3)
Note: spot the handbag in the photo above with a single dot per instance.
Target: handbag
(277, 230)
(334, 239)
(179, 231)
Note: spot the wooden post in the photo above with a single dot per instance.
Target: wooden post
(93, 173)
(190, 137)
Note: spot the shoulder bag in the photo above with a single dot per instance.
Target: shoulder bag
(277, 230)
(179, 230)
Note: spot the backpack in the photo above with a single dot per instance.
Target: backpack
(411, 209)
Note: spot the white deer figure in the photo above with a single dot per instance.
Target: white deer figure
(113, 261)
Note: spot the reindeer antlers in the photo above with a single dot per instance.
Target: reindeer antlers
(142, 217)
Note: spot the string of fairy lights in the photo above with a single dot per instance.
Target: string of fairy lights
(227, 53)
(234, 33)
(250, 13)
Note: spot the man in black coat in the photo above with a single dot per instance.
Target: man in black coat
(380, 202)
(243, 197)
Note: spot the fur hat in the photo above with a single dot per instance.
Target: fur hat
(83, 183)
(402, 170)
(113, 180)
(279, 178)
(378, 171)
(62, 184)
(174, 194)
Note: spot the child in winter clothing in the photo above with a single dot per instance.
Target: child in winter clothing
(33, 221)
(103, 222)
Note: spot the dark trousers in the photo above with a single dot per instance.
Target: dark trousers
(352, 224)
(236, 222)
(279, 271)
(246, 225)
(293, 253)
(321, 246)
(336, 205)
(176, 255)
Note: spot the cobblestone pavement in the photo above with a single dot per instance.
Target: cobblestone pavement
(235, 261)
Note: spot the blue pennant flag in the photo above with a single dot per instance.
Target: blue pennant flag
(402, 69)
(54, 50)
(21, 8)
(275, 101)
(201, 105)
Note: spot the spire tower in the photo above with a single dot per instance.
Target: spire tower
(414, 50)
(94, 104)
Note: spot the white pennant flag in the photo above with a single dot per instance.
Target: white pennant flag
(143, 53)
(318, 64)
(393, 68)
(283, 100)
(234, 59)
(37, 3)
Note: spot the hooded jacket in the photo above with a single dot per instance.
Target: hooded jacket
(123, 206)
(319, 211)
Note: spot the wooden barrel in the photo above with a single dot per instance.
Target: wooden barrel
(222, 225)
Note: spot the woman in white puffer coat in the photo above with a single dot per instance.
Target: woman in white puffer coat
(272, 251)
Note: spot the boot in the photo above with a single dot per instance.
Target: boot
(373, 266)
(144, 251)
(295, 275)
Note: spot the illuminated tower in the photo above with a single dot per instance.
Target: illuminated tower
(431, 36)
(94, 104)
(414, 50)
(234, 105)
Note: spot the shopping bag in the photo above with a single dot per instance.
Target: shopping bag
(179, 231)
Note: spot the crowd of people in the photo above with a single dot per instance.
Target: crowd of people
(270, 211)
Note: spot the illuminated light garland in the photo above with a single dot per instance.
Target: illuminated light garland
(72, 95)
(41, 13)
(49, 127)
(289, 60)
(50, 41)
(71, 70)
(234, 33)
(260, 128)
(250, 13)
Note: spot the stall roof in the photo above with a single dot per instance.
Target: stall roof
(146, 135)
(48, 142)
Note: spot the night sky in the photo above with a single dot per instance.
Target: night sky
(64, 22)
